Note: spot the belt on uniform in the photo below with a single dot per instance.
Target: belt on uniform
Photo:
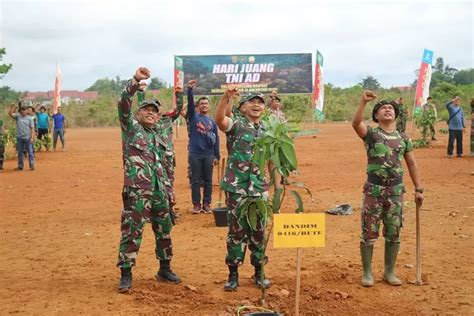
(384, 182)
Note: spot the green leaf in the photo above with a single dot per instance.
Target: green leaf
(299, 201)
(252, 216)
(262, 209)
(277, 200)
(289, 152)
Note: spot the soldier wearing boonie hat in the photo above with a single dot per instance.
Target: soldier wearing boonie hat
(384, 188)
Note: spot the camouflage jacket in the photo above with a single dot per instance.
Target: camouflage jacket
(143, 148)
(242, 176)
(385, 152)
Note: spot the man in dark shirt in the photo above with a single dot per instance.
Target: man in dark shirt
(203, 150)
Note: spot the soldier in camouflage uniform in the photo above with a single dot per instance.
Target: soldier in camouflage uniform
(402, 115)
(430, 115)
(242, 179)
(383, 191)
(2, 144)
(144, 195)
(165, 128)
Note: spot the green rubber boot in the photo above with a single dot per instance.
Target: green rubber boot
(391, 253)
(366, 255)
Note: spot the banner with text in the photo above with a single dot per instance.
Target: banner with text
(299, 230)
(284, 73)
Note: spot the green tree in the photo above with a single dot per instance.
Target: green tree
(106, 86)
(370, 83)
(156, 84)
(4, 68)
(465, 76)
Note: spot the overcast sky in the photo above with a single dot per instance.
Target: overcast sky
(96, 39)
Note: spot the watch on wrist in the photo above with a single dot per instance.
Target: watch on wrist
(136, 80)
(419, 190)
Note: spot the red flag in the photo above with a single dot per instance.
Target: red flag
(57, 90)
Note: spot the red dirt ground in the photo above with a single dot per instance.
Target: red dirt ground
(59, 233)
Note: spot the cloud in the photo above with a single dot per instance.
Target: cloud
(96, 39)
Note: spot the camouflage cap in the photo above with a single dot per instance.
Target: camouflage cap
(251, 96)
(156, 103)
(381, 103)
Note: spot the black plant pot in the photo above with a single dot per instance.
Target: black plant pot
(220, 216)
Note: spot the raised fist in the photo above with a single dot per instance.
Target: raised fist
(232, 90)
(368, 96)
(178, 90)
(142, 73)
(192, 83)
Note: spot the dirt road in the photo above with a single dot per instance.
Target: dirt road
(59, 232)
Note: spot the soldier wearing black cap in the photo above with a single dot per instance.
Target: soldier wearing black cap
(144, 196)
(243, 179)
(384, 188)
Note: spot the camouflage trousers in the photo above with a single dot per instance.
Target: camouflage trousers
(139, 207)
(240, 234)
(387, 208)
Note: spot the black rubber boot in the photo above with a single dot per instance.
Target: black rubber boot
(258, 278)
(125, 283)
(165, 273)
(233, 282)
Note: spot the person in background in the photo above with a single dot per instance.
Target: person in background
(42, 119)
(59, 129)
(25, 135)
(456, 126)
(431, 115)
(203, 150)
(402, 116)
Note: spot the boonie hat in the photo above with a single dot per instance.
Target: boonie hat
(381, 103)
